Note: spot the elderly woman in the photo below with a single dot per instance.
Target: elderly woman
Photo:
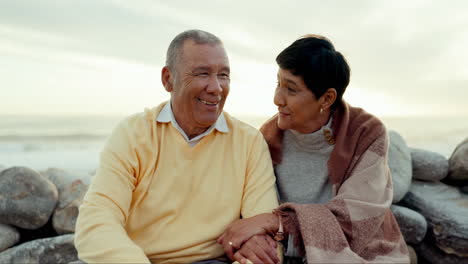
(331, 167)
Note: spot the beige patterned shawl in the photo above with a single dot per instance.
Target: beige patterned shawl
(356, 226)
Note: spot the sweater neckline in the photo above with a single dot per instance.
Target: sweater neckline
(314, 141)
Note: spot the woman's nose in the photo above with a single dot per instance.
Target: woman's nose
(278, 99)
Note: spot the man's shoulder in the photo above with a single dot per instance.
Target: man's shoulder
(241, 129)
(142, 121)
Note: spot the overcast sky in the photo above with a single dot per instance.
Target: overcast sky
(105, 56)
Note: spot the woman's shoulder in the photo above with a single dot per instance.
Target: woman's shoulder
(352, 120)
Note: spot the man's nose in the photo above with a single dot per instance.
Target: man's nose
(214, 85)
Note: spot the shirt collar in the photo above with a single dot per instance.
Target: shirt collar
(166, 115)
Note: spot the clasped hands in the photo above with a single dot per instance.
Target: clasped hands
(251, 239)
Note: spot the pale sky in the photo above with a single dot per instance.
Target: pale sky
(60, 57)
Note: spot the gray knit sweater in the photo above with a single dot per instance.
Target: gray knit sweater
(302, 175)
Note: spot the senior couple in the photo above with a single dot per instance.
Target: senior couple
(185, 182)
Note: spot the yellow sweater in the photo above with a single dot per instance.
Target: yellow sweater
(155, 198)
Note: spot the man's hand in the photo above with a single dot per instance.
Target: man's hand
(259, 249)
(241, 230)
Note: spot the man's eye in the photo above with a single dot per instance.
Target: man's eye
(224, 75)
(201, 74)
(291, 90)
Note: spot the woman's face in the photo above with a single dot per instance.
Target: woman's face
(297, 106)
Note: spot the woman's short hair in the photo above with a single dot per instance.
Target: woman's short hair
(314, 58)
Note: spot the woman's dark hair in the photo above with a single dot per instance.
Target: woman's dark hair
(314, 58)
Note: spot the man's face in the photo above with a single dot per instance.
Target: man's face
(200, 85)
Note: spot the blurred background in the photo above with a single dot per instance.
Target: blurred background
(70, 70)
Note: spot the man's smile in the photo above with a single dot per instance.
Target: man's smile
(207, 102)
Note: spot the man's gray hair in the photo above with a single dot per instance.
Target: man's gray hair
(174, 51)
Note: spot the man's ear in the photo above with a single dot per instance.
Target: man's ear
(167, 78)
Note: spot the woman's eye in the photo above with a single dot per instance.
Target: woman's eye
(291, 90)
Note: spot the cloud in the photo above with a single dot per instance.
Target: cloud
(401, 53)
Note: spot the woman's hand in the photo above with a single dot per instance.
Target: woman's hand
(241, 230)
(259, 249)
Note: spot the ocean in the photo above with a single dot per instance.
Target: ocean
(74, 142)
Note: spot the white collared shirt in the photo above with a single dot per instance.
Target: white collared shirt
(166, 115)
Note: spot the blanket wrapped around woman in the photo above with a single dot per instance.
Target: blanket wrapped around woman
(357, 225)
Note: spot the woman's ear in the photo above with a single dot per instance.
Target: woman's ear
(328, 98)
(167, 78)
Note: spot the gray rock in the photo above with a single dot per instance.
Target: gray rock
(58, 249)
(458, 163)
(27, 198)
(66, 213)
(446, 211)
(464, 189)
(77, 262)
(8, 236)
(412, 224)
(44, 231)
(72, 188)
(428, 165)
(399, 161)
(62, 178)
(432, 254)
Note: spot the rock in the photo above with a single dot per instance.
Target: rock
(464, 189)
(66, 213)
(8, 236)
(428, 165)
(412, 224)
(446, 211)
(458, 163)
(27, 198)
(72, 188)
(58, 249)
(77, 262)
(44, 231)
(433, 254)
(399, 161)
(412, 255)
(62, 178)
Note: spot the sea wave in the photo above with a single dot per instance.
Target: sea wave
(59, 137)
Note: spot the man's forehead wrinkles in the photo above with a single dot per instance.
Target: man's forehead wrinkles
(226, 68)
(202, 68)
(217, 68)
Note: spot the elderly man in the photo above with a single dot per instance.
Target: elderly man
(172, 178)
